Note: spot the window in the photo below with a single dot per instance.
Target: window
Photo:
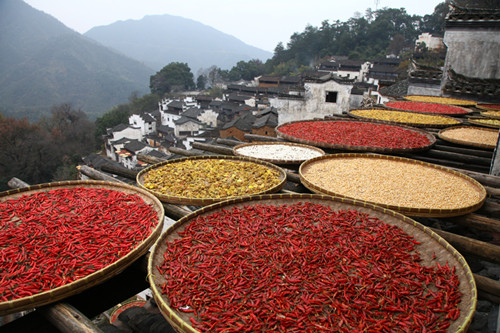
(331, 97)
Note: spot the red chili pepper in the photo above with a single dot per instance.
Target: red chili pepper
(354, 133)
(48, 239)
(426, 107)
(264, 269)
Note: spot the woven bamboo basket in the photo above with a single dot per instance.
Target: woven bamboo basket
(442, 135)
(278, 159)
(493, 114)
(488, 107)
(441, 100)
(431, 246)
(453, 121)
(80, 285)
(480, 122)
(374, 149)
(367, 185)
(209, 200)
(462, 110)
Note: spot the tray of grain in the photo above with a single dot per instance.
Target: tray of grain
(203, 180)
(278, 152)
(491, 114)
(470, 136)
(487, 122)
(411, 187)
(408, 118)
(429, 108)
(355, 135)
(440, 100)
(308, 263)
(59, 239)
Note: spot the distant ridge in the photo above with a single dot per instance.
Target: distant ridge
(158, 40)
(44, 63)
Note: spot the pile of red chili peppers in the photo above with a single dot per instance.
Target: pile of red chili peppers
(49, 239)
(427, 107)
(305, 267)
(355, 133)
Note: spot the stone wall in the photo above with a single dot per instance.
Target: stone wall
(473, 53)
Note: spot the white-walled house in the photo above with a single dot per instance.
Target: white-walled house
(320, 99)
(144, 121)
(127, 156)
(186, 126)
(430, 41)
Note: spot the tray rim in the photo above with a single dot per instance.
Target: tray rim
(183, 326)
(410, 211)
(274, 143)
(419, 125)
(466, 143)
(205, 201)
(80, 285)
(432, 138)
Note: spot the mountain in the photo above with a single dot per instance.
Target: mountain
(44, 63)
(158, 40)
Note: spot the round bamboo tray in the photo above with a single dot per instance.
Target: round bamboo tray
(489, 107)
(196, 201)
(367, 183)
(419, 107)
(360, 148)
(443, 136)
(441, 100)
(492, 123)
(277, 159)
(431, 246)
(493, 114)
(452, 121)
(80, 285)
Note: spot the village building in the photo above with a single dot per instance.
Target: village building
(322, 97)
(144, 121)
(238, 127)
(429, 41)
(472, 38)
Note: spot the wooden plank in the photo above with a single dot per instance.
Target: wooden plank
(96, 174)
(213, 148)
(483, 250)
(68, 319)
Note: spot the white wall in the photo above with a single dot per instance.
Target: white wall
(314, 104)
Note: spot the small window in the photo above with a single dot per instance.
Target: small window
(331, 97)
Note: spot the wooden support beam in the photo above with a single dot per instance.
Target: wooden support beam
(467, 151)
(183, 152)
(229, 142)
(120, 171)
(213, 148)
(68, 319)
(477, 222)
(255, 137)
(483, 250)
(457, 157)
(95, 174)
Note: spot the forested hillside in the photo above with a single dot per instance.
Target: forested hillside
(44, 63)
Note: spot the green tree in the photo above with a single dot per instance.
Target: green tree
(25, 152)
(201, 82)
(117, 115)
(174, 77)
(246, 70)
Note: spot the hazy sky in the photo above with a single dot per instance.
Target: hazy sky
(260, 23)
